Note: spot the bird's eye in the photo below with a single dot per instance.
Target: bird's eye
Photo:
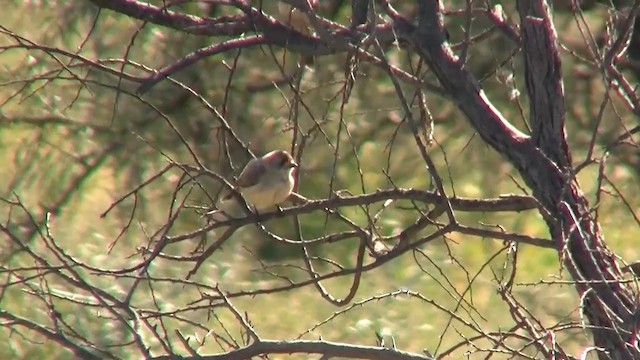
(284, 161)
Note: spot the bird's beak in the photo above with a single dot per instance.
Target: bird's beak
(293, 164)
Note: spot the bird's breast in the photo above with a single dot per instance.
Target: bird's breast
(273, 190)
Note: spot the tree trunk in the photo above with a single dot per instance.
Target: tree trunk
(544, 162)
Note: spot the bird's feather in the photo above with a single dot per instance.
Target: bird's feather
(251, 174)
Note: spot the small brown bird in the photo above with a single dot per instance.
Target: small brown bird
(295, 18)
(263, 183)
(298, 21)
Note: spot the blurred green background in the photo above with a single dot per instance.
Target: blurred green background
(75, 139)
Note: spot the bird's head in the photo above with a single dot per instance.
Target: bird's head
(279, 159)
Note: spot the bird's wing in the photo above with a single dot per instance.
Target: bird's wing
(251, 174)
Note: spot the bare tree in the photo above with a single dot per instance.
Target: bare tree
(112, 99)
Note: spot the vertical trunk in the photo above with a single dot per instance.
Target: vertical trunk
(544, 162)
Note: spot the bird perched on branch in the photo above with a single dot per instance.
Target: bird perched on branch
(296, 18)
(263, 183)
(298, 21)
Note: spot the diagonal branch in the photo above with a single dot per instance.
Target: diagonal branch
(608, 304)
(199, 54)
(80, 352)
